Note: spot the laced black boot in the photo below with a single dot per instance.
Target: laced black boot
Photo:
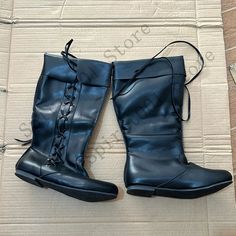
(68, 99)
(148, 100)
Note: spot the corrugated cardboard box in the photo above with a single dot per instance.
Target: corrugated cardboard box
(30, 28)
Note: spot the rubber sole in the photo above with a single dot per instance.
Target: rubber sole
(81, 194)
(149, 191)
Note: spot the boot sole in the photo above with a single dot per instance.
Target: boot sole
(81, 194)
(149, 191)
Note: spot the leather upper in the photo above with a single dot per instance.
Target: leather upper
(34, 162)
(147, 115)
(66, 107)
(63, 106)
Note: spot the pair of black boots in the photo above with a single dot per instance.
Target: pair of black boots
(148, 100)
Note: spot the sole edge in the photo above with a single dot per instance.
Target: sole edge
(81, 194)
(149, 191)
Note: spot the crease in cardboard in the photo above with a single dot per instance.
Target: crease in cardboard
(116, 22)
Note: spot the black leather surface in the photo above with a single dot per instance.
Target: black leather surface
(34, 162)
(66, 107)
(152, 130)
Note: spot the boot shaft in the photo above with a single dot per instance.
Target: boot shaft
(145, 109)
(66, 106)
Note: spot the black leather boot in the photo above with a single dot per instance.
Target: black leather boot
(68, 99)
(148, 100)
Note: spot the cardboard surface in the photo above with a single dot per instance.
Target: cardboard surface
(229, 14)
(97, 27)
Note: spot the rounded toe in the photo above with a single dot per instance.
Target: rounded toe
(222, 176)
(205, 177)
(81, 187)
(103, 186)
(199, 177)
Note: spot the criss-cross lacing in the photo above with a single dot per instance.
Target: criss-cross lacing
(65, 110)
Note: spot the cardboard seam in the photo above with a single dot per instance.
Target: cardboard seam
(6, 103)
(116, 22)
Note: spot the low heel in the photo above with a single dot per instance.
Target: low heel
(141, 190)
(28, 178)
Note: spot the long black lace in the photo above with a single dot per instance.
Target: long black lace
(68, 57)
(66, 108)
(151, 61)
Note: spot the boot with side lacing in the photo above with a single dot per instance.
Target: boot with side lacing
(68, 99)
(148, 100)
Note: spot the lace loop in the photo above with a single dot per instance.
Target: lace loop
(150, 61)
(24, 142)
(68, 57)
(65, 110)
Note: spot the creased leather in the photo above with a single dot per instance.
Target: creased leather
(152, 130)
(66, 108)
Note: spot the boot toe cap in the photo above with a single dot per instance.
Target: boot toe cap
(75, 180)
(222, 176)
(199, 177)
